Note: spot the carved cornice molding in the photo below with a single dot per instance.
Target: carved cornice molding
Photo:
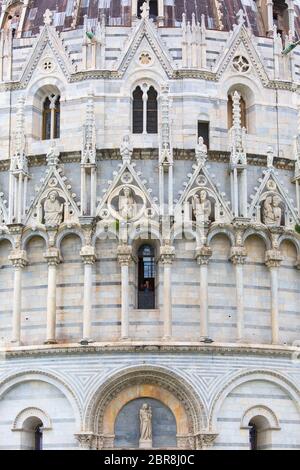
(231, 349)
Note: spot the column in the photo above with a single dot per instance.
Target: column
(53, 259)
(167, 258)
(238, 257)
(270, 17)
(203, 255)
(273, 260)
(19, 261)
(124, 257)
(88, 257)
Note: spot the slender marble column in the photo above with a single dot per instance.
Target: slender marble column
(238, 258)
(53, 259)
(19, 261)
(203, 255)
(167, 257)
(88, 257)
(273, 260)
(124, 257)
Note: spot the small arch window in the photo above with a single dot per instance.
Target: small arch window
(32, 435)
(146, 277)
(145, 110)
(51, 117)
(259, 433)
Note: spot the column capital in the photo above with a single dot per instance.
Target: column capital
(205, 441)
(87, 440)
(52, 256)
(18, 258)
(203, 255)
(273, 258)
(167, 254)
(88, 255)
(124, 254)
(238, 255)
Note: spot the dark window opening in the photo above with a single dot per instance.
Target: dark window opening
(203, 131)
(138, 111)
(146, 278)
(253, 436)
(38, 438)
(280, 16)
(51, 118)
(152, 112)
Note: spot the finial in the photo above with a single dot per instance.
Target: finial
(241, 16)
(48, 17)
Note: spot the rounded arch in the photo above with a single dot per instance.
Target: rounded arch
(240, 378)
(42, 86)
(104, 233)
(292, 240)
(261, 234)
(138, 77)
(221, 231)
(244, 85)
(167, 381)
(263, 411)
(38, 375)
(150, 233)
(8, 238)
(31, 412)
(37, 233)
(67, 232)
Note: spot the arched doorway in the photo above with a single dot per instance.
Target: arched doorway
(139, 385)
(146, 277)
(162, 424)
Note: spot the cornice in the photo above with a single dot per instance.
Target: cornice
(152, 154)
(135, 347)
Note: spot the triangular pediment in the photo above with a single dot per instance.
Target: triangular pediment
(145, 31)
(217, 209)
(127, 198)
(269, 188)
(48, 45)
(64, 210)
(241, 43)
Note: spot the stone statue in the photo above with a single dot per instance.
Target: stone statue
(145, 10)
(126, 149)
(201, 151)
(202, 207)
(53, 210)
(127, 204)
(146, 423)
(52, 156)
(270, 157)
(272, 211)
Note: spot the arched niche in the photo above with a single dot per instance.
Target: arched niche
(163, 424)
(46, 105)
(146, 382)
(6, 282)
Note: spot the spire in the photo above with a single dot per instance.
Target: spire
(19, 159)
(237, 133)
(88, 155)
(166, 154)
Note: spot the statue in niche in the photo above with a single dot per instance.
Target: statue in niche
(53, 210)
(126, 149)
(272, 211)
(145, 423)
(127, 204)
(201, 151)
(145, 10)
(202, 207)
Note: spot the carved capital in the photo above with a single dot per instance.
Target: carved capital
(238, 255)
(124, 254)
(167, 254)
(87, 440)
(52, 256)
(205, 441)
(273, 258)
(88, 254)
(203, 255)
(18, 258)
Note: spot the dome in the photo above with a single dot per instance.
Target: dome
(69, 14)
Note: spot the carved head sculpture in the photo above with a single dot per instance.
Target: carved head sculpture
(276, 201)
(53, 196)
(203, 195)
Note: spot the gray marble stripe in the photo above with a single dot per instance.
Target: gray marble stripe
(59, 446)
(280, 446)
(290, 421)
(258, 395)
(231, 444)
(229, 420)
(63, 420)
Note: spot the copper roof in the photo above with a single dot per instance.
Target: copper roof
(220, 14)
